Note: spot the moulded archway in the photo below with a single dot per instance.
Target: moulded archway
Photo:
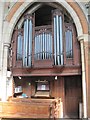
(72, 7)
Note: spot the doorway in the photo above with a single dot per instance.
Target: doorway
(73, 96)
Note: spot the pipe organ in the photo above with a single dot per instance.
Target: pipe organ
(45, 42)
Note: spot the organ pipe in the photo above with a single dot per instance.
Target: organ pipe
(58, 40)
(43, 46)
(61, 40)
(27, 47)
(55, 41)
(30, 44)
(68, 38)
(35, 47)
(19, 47)
(24, 60)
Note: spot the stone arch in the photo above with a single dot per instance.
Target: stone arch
(72, 7)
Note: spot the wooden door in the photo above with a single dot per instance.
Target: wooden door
(72, 96)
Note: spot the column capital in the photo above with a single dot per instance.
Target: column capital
(83, 37)
(6, 44)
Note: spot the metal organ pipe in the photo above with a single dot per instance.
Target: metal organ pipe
(50, 44)
(68, 43)
(27, 47)
(66, 38)
(58, 46)
(30, 44)
(47, 46)
(55, 60)
(38, 46)
(19, 47)
(35, 56)
(43, 46)
(61, 40)
(58, 40)
(69, 39)
(24, 60)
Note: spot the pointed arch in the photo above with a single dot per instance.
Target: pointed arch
(72, 7)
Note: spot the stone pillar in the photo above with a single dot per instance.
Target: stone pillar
(87, 64)
(4, 72)
(1, 31)
(1, 42)
(84, 91)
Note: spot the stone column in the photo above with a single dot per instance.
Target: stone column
(1, 31)
(1, 42)
(4, 72)
(84, 91)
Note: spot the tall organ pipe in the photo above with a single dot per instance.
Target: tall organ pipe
(61, 40)
(27, 46)
(35, 48)
(58, 40)
(68, 37)
(19, 47)
(40, 44)
(45, 46)
(30, 44)
(58, 46)
(71, 39)
(55, 60)
(24, 60)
